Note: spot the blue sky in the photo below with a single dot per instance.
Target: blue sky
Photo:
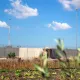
(37, 23)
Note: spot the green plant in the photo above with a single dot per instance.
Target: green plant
(18, 73)
(11, 55)
(77, 58)
(66, 72)
(44, 69)
(3, 70)
(2, 77)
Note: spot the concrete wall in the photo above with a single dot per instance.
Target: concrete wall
(2, 52)
(29, 53)
(24, 53)
(6, 50)
(69, 52)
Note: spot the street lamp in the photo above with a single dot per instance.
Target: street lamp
(9, 41)
(76, 28)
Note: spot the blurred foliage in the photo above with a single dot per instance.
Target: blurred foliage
(44, 68)
(66, 72)
(11, 55)
(61, 68)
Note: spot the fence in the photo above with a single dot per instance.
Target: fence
(4, 51)
(28, 53)
(24, 53)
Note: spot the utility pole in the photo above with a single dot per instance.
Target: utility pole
(76, 28)
(9, 42)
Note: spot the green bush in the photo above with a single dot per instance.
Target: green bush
(67, 73)
(11, 55)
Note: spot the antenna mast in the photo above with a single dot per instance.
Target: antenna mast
(9, 42)
(76, 28)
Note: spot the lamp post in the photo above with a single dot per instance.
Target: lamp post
(9, 41)
(76, 28)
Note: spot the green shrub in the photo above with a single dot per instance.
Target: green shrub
(67, 73)
(11, 55)
(44, 69)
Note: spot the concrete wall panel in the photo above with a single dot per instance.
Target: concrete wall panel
(29, 53)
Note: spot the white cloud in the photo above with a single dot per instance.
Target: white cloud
(21, 11)
(76, 3)
(70, 4)
(59, 26)
(4, 24)
(66, 4)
